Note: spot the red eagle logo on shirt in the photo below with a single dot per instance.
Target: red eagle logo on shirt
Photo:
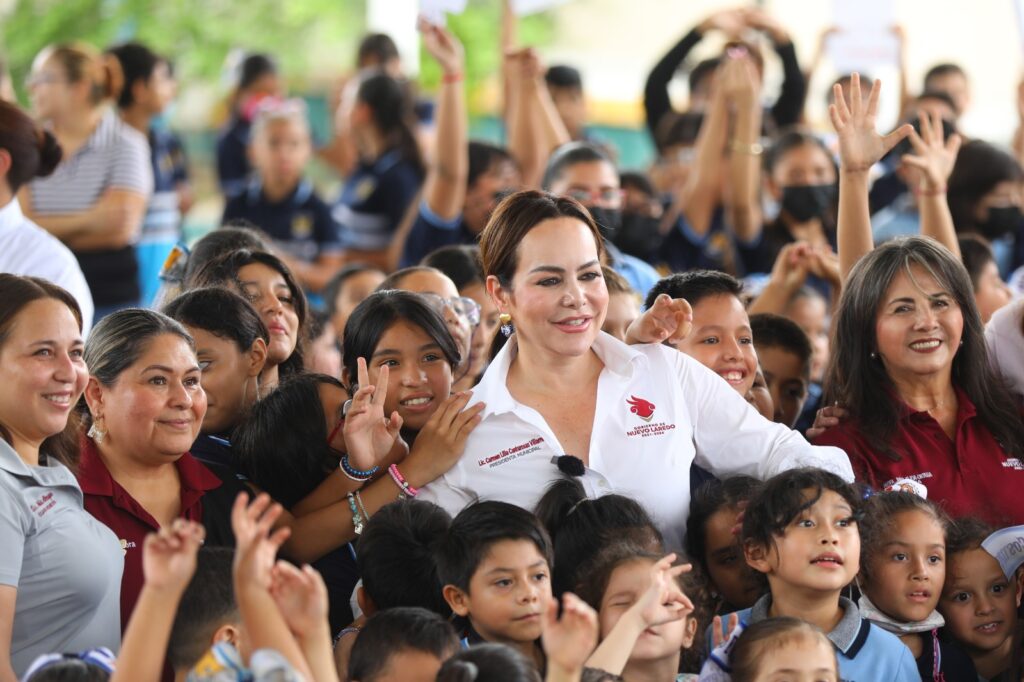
(641, 408)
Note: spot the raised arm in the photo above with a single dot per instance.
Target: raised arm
(535, 130)
(860, 147)
(789, 107)
(932, 162)
(743, 203)
(445, 186)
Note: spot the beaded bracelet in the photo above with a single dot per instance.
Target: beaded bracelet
(357, 521)
(357, 475)
(400, 481)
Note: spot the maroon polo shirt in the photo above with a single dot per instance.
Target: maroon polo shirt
(111, 504)
(968, 475)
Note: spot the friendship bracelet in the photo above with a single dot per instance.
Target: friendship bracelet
(400, 481)
(452, 77)
(362, 508)
(357, 522)
(357, 475)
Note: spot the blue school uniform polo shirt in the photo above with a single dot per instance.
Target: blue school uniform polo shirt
(374, 200)
(430, 232)
(301, 224)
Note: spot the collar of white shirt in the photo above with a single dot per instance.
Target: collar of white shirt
(11, 215)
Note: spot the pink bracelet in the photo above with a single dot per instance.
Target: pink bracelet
(400, 481)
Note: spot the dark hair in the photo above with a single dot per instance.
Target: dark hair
(69, 668)
(776, 331)
(254, 67)
(376, 313)
(232, 236)
(16, 292)
(484, 157)
(207, 604)
(82, 62)
(879, 518)
(391, 104)
(569, 155)
(337, 283)
(513, 219)
(695, 286)
(599, 675)
(710, 498)
(461, 263)
(224, 270)
(319, 322)
(377, 46)
(792, 138)
(942, 69)
(266, 448)
(119, 339)
(979, 167)
(678, 128)
(563, 76)
(396, 630)
(395, 555)
(975, 253)
(488, 663)
(751, 646)
(782, 498)
(964, 533)
(597, 573)
(34, 151)
(861, 382)
(579, 526)
(638, 181)
(394, 280)
(138, 63)
(221, 312)
(476, 529)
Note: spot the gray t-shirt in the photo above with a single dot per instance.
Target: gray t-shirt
(65, 564)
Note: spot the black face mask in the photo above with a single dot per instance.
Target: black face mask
(805, 202)
(1001, 221)
(608, 220)
(639, 235)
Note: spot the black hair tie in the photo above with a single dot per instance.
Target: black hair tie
(572, 466)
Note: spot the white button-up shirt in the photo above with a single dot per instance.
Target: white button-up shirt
(658, 411)
(27, 249)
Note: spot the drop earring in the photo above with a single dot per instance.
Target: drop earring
(97, 432)
(506, 324)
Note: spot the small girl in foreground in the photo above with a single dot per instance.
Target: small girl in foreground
(783, 648)
(903, 569)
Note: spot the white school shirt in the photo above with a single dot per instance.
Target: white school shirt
(658, 411)
(27, 249)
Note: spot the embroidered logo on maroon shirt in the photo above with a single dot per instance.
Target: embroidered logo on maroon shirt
(641, 408)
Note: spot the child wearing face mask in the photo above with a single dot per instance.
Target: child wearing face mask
(980, 602)
(903, 553)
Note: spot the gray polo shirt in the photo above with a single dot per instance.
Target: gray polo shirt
(65, 564)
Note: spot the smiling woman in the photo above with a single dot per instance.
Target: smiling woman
(145, 406)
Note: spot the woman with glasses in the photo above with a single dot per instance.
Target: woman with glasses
(96, 198)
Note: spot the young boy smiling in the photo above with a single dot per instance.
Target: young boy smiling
(495, 564)
(800, 530)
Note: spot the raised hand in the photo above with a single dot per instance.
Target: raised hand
(301, 597)
(933, 157)
(824, 263)
(825, 418)
(860, 145)
(739, 81)
(669, 319)
(792, 265)
(369, 433)
(255, 546)
(731, 22)
(442, 46)
(718, 637)
(664, 602)
(568, 641)
(169, 555)
(442, 439)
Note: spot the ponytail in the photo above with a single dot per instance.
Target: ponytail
(390, 102)
(81, 61)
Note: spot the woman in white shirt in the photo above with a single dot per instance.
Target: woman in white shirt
(26, 248)
(635, 416)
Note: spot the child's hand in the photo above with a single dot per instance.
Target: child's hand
(301, 597)
(169, 556)
(791, 266)
(717, 636)
(860, 145)
(664, 602)
(569, 642)
(369, 433)
(443, 46)
(669, 319)
(933, 158)
(255, 546)
(826, 418)
(824, 263)
(442, 439)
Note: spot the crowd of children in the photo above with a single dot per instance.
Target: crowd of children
(510, 413)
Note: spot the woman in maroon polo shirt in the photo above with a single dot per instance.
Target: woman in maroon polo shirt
(145, 407)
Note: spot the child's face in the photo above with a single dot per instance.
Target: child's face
(729, 573)
(228, 379)
(722, 341)
(622, 310)
(409, 665)
(818, 551)
(787, 380)
(801, 660)
(356, 288)
(419, 378)
(761, 397)
(507, 594)
(978, 602)
(280, 152)
(626, 585)
(905, 576)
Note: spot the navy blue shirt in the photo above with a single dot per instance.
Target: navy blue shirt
(683, 249)
(374, 200)
(232, 160)
(759, 255)
(430, 232)
(300, 224)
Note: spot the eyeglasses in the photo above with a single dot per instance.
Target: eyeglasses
(605, 195)
(42, 79)
(466, 308)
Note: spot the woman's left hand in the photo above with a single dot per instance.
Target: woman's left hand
(669, 319)
(369, 434)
